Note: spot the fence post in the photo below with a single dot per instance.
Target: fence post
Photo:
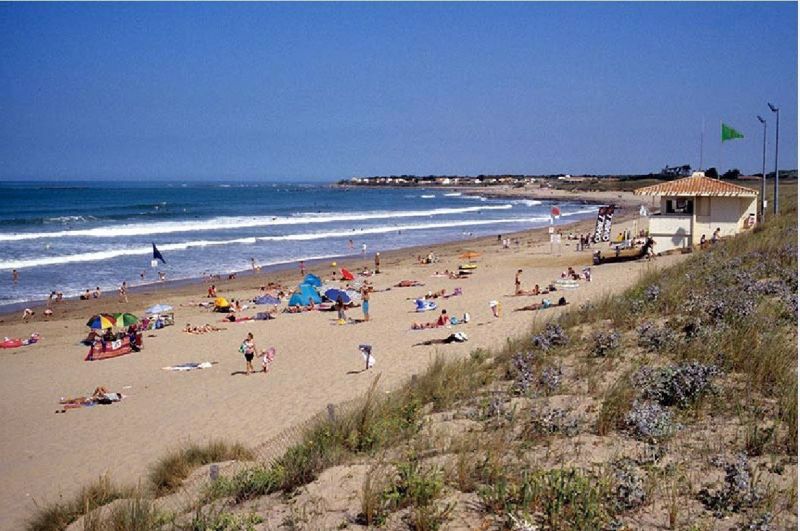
(213, 472)
(331, 412)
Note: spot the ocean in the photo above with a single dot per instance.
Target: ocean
(73, 236)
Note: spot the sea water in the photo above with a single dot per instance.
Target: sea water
(73, 236)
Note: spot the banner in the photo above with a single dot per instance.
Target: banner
(607, 223)
(598, 227)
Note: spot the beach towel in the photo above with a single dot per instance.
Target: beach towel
(188, 366)
(424, 306)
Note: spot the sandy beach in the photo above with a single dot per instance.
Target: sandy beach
(47, 454)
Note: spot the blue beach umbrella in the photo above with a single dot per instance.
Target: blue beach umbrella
(334, 294)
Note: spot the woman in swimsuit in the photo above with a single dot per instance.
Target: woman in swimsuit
(249, 349)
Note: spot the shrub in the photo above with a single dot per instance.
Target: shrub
(627, 485)
(738, 491)
(675, 385)
(656, 338)
(650, 421)
(552, 336)
(604, 343)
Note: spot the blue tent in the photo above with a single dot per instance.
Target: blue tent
(313, 280)
(304, 294)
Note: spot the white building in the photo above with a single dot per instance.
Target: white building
(698, 205)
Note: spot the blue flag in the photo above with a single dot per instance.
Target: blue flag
(157, 254)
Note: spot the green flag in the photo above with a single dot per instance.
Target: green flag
(729, 133)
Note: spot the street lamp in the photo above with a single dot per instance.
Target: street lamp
(777, 112)
(763, 204)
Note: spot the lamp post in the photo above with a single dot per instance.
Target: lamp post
(762, 206)
(777, 112)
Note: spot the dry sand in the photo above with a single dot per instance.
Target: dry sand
(46, 454)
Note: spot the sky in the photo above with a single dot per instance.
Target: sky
(328, 91)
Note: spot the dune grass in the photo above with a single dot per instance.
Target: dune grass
(58, 515)
(168, 473)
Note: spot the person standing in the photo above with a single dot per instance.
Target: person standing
(14, 276)
(302, 268)
(365, 301)
(518, 282)
(377, 263)
(340, 310)
(123, 292)
(363, 249)
(248, 348)
(715, 236)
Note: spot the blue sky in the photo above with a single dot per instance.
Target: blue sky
(327, 91)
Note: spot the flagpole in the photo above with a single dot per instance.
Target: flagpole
(719, 170)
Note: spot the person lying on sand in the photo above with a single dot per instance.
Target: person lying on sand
(408, 284)
(443, 320)
(458, 337)
(542, 305)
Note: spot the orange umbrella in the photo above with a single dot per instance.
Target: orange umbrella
(469, 255)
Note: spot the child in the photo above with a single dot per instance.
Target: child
(267, 356)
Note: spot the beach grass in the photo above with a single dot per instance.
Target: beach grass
(168, 473)
(58, 515)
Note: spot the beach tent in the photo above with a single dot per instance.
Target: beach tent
(313, 280)
(304, 294)
(347, 275)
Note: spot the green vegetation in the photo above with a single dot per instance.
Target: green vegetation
(60, 514)
(168, 474)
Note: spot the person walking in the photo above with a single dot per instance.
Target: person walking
(365, 301)
(302, 268)
(377, 263)
(14, 276)
(518, 282)
(248, 348)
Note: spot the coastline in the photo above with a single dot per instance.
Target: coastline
(283, 270)
(317, 362)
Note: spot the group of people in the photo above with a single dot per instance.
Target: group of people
(189, 329)
(87, 295)
(714, 238)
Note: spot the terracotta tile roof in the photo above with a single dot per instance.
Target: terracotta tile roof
(697, 185)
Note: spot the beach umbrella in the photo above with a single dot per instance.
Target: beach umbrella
(334, 294)
(221, 302)
(159, 308)
(469, 255)
(354, 295)
(101, 321)
(125, 319)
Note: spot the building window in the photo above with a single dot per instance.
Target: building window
(680, 206)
